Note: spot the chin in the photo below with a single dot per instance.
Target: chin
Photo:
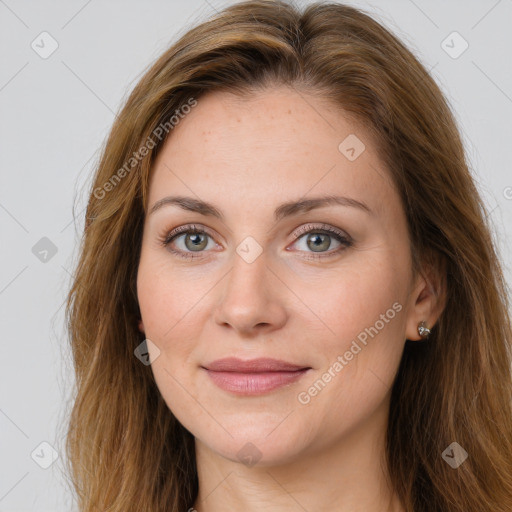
(257, 452)
(252, 442)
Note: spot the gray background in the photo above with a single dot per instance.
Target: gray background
(55, 113)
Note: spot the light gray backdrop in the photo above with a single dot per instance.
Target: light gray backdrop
(67, 66)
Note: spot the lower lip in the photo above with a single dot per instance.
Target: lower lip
(254, 383)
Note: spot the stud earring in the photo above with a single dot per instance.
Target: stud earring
(423, 330)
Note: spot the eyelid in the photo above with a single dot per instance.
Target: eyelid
(186, 228)
(306, 228)
(296, 233)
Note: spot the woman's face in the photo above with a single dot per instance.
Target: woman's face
(326, 287)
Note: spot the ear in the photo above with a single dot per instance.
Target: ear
(427, 299)
(141, 326)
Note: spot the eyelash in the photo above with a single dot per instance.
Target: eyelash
(307, 229)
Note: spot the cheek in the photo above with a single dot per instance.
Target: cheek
(362, 308)
(168, 297)
(168, 305)
(351, 297)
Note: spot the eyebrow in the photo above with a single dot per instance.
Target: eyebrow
(284, 210)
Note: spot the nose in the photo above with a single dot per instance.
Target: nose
(252, 298)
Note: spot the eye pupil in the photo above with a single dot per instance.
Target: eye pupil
(197, 240)
(316, 237)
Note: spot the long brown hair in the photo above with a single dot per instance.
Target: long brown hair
(126, 450)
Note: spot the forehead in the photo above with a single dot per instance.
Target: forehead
(277, 143)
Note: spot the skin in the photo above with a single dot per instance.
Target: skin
(247, 156)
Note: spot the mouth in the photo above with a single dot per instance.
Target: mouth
(255, 376)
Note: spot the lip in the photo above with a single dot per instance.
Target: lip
(254, 376)
(262, 364)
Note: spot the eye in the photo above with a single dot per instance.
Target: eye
(318, 239)
(188, 238)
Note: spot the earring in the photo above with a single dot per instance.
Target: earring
(423, 330)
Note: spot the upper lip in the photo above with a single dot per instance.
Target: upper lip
(263, 364)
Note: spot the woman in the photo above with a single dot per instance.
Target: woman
(288, 296)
